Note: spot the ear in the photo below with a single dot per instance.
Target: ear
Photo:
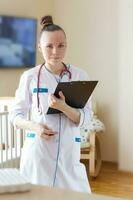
(39, 47)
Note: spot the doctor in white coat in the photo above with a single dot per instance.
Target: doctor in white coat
(51, 152)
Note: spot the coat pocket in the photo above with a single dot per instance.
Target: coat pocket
(76, 149)
(29, 140)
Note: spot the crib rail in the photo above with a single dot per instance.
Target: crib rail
(11, 142)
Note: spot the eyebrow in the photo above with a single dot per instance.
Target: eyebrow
(59, 43)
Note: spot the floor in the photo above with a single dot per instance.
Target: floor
(112, 182)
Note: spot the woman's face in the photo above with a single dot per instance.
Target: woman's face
(53, 47)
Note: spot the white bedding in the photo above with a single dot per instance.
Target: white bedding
(12, 181)
(8, 158)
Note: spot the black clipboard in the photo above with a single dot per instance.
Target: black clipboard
(76, 93)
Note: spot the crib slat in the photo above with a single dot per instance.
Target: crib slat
(1, 142)
(6, 138)
(11, 142)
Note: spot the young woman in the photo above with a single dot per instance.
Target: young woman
(51, 153)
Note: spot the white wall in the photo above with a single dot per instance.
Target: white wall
(91, 27)
(126, 85)
(9, 78)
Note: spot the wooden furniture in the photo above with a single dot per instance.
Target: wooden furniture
(90, 144)
(93, 154)
(43, 192)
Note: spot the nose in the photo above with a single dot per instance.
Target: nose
(55, 50)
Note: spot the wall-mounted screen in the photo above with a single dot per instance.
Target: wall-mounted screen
(17, 42)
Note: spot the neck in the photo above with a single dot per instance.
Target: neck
(55, 69)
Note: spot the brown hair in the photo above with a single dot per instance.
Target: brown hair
(48, 25)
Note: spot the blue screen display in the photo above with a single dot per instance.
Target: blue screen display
(17, 42)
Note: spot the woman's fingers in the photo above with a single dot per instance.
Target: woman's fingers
(45, 136)
(46, 132)
(62, 97)
(52, 100)
(57, 103)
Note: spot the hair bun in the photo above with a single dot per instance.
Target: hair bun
(46, 20)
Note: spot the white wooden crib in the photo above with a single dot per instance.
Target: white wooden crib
(11, 141)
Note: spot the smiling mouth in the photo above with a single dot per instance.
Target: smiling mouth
(55, 58)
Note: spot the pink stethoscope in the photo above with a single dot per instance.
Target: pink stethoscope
(65, 70)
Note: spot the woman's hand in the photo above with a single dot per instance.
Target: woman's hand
(44, 131)
(57, 103)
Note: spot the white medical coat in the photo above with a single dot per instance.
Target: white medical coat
(39, 156)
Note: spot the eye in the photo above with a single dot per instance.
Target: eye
(61, 46)
(49, 46)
